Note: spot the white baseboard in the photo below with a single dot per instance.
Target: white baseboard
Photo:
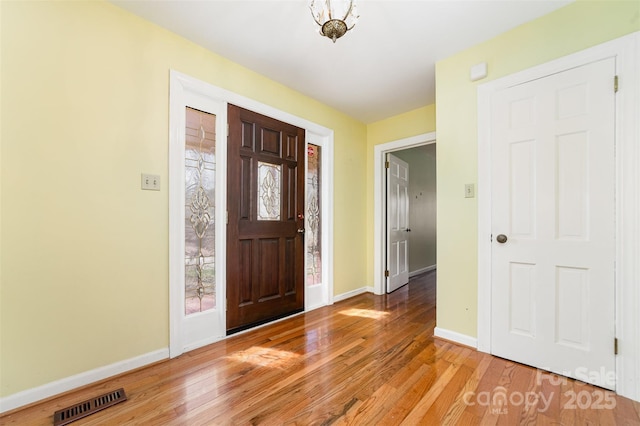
(30, 396)
(421, 271)
(352, 293)
(456, 337)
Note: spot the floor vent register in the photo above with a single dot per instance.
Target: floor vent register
(86, 408)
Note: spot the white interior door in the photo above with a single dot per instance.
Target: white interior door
(553, 176)
(397, 223)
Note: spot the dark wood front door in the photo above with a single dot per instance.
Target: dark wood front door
(265, 251)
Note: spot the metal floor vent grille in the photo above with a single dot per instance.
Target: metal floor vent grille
(83, 409)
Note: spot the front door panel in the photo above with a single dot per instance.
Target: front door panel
(265, 250)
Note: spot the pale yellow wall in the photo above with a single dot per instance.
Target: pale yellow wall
(1, 292)
(84, 267)
(575, 27)
(401, 126)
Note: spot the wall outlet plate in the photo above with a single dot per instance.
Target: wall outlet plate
(150, 182)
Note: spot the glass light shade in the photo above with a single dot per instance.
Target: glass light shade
(335, 17)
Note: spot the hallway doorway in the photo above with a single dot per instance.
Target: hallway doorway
(380, 197)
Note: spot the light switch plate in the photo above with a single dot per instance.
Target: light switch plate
(150, 182)
(469, 190)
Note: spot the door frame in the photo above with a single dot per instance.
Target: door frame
(183, 88)
(380, 200)
(626, 50)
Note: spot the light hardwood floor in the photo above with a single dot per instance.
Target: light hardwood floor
(368, 360)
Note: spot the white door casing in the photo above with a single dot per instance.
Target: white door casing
(553, 174)
(397, 222)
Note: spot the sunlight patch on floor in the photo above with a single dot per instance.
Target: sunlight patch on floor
(264, 357)
(364, 313)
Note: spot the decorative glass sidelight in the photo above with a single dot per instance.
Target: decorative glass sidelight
(199, 211)
(312, 239)
(269, 178)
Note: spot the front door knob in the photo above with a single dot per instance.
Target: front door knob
(501, 238)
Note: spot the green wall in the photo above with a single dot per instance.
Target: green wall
(85, 109)
(573, 28)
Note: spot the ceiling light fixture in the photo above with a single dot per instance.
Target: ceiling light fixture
(335, 17)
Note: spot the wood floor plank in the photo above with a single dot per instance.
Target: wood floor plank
(416, 415)
(458, 407)
(368, 360)
(412, 393)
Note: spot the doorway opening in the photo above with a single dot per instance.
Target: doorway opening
(421, 229)
(380, 201)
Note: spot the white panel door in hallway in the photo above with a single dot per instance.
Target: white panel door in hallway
(397, 223)
(553, 230)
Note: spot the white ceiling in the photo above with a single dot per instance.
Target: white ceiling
(383, 67)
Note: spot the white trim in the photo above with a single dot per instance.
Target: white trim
(48, 390)
(182, 84)
(628, 223)
(455, 337)
(177, 89)
(327, 214)
(352, 293)
(379, 235)
(421, 271)
(626, 50)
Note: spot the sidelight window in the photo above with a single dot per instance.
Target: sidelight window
(313, 247)
(200, 169)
